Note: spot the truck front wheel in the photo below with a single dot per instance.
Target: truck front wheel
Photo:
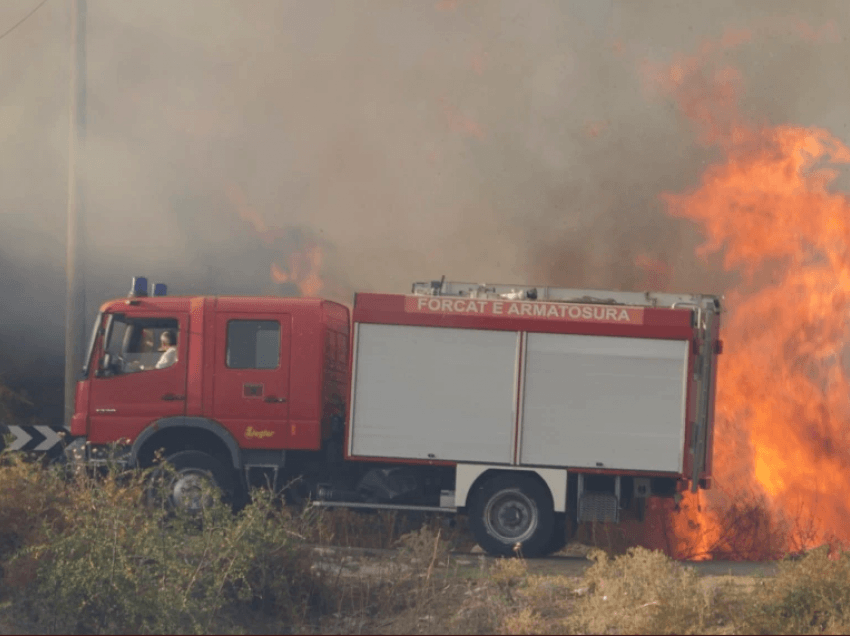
(512, 514)
(192, 483)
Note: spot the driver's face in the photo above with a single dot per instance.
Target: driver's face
(163, 344)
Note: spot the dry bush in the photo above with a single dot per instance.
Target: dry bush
(418, 590)
(639, 592)
(519, 598)
(98, 559)
(808, 595)
(743, 527)
(31, 500)
(29, 495)
(507, 599)
(346, 527)
(645, 592)
(84, 553)
(745, 530)
(401, 593)
(609, 537)
(382, 529)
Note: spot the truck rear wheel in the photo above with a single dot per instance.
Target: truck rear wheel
(193, 484)
(512, 514)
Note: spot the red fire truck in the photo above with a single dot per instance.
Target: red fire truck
(520, 406)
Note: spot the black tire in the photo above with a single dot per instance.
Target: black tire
(512, 511)
(184, 484)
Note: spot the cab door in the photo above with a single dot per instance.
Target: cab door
(128, 392)
(251, 386)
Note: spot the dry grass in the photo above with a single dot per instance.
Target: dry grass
(349, 528)
(82, 555)
(639, 592)
(809, 595)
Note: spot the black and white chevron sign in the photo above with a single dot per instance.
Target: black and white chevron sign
(34, 438)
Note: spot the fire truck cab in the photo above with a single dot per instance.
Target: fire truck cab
(520, 406)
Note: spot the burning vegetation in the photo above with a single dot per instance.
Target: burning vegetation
(769, 204)
(297, 265)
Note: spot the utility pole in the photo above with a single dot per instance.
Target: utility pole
(75, 306)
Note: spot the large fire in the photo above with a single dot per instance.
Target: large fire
(783, 403)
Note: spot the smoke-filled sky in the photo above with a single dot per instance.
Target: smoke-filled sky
(485, 140)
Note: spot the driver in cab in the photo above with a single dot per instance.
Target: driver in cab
(168, 346)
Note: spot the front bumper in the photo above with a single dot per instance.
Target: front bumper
(82, 452)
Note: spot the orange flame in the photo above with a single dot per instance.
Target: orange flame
(304, 270)
(304, 264)
(783, 402)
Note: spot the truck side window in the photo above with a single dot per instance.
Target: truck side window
(253, 344)
(133, 344)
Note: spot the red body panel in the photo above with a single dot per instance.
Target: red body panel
(253, 404)
(79, 421)
(304, 391)
(197, 382)
(335, 387)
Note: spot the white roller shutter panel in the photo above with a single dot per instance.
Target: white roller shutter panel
(596, 401)
(434, 393)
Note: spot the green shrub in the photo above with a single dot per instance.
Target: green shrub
(112, 564)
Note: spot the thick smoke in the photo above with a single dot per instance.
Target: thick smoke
(492, 141)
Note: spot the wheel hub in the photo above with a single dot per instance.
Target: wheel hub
(192, 490)
(511, 516)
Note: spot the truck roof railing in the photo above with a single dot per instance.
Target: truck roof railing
(566, 295)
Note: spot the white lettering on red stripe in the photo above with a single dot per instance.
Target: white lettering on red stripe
(520, 309)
